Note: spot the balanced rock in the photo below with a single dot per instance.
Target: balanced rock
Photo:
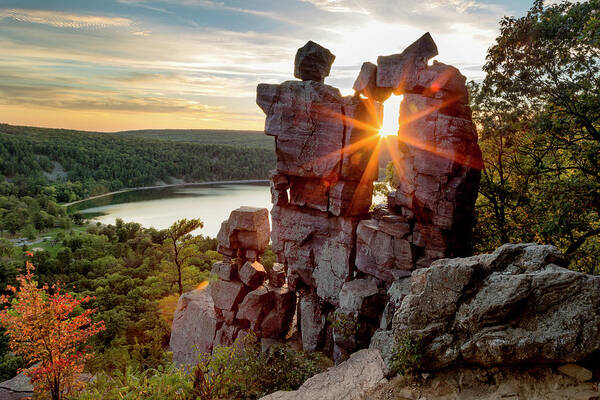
(194, 326)
(514, 306)
(313, 62)
(246, 228)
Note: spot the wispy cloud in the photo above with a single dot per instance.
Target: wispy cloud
(63, 19)
(196, 63)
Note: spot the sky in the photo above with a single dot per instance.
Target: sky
(110, 65)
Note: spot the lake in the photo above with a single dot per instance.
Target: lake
(160, 207)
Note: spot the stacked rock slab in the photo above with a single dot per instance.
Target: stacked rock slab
(322, 186)
(244, 296)
(341, 259)
(430, 214)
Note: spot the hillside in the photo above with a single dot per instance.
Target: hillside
(71, 165)
(206, 136)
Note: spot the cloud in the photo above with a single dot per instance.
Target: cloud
(439, 15)
(216, 5)
(68, 98)
(341, 6)
(60, 19)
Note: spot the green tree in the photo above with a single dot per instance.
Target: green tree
(546, 65)
(180, 246)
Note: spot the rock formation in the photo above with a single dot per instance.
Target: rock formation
(514, 306)
(340, 258)
(243, 295)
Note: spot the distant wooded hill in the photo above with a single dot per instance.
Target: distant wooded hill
(69, 165)
(206, 136)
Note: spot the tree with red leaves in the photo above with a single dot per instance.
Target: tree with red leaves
(48, 328)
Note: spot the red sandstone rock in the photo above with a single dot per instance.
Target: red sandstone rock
(278, 321)
(366, 83)
(227, 295)
(252, 274)
(276, 275)
(396, 70)
(255, 306)
(363, 120)
(306, 119)
(350, 198)
(313, 193)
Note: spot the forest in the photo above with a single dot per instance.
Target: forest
(70, 165)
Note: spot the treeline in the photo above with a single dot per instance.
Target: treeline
(32, 162)
(250, 139)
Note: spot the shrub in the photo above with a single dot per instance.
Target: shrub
(170, 383)
(245, 372)
(407, 354)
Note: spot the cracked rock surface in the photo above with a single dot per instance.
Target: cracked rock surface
(514, 306)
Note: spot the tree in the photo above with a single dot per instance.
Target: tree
(547, 63)
(179, 246)
(48, 329)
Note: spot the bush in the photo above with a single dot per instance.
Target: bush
(407, 355)
(240, 371)
(154, 384)
(245, 372)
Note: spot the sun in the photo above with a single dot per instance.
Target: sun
(389, 126)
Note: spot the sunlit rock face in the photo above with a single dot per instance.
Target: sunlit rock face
(326, 145)
(514, 306)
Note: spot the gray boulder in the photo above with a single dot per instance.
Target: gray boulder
(349, 381)
(313, 62)
(514, 306)
(194, 326)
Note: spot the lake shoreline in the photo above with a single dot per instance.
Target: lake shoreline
(169, 185)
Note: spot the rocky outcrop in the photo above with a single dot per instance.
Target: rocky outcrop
(243, 296)
(321, 190)
(473, 383)
(514, 306)
(194, 326)
(349, 381)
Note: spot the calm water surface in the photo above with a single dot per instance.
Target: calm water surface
(159, 208)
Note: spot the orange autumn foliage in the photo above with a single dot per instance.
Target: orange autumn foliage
(48, 329)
